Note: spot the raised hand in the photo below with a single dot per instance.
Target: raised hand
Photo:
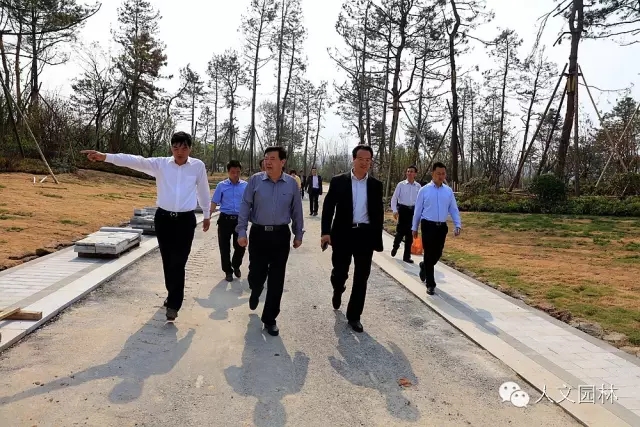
(94, 156)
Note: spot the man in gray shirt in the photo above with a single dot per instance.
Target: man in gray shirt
(271, 201)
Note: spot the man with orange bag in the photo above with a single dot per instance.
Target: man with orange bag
(435, 202)
(402, 205)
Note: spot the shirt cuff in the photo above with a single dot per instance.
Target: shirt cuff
(109, 158)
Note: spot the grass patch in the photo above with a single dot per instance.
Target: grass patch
(628, 259)
(632, 246)
(14, 229)
(2, 186)
(112, 196)
(147, 195)
(23, 213)
(72, 222)
(555, 244)
(53, 196)
(5, 216)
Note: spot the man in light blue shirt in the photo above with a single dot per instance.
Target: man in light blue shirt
(228, 196)
(434, 203)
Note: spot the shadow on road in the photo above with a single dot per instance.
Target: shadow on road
(268, 373)
(225, 296)
(367, 363)
(152, 350)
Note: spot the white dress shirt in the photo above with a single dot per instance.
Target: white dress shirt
(179, 188)
(406, 194)
(359, 191)
(314, 181)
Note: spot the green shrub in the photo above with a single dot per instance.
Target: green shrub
(476, 187)
(622, 184)
(548, 189)
(585, 205)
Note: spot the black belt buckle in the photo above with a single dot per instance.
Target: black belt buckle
(268, 228)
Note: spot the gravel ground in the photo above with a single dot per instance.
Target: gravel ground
(112, 360)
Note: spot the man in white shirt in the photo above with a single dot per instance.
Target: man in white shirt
(181, 185)
(314, 188)
(402, 205)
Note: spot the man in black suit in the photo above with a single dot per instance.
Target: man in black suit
(356, 231)
(314, 188)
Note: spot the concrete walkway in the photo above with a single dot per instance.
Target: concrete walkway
(572, 368)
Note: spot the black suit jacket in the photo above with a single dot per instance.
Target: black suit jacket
(339, 201)
(309, 183)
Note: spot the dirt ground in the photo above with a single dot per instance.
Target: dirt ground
(587, 267)
(39, 218)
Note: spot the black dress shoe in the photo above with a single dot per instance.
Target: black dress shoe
(272, 330)
(356, 326)
(394, 251)
(171, 314)
(430, 290)
(166, 301)
(423, 274)
(229, 277)
(408, 260)
(254, 299)
(236, 271)
(337, 298)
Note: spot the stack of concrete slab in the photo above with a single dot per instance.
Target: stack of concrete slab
(143, 219)
(108, 243)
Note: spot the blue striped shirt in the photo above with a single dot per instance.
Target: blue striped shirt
(435, 204)
(229, 196)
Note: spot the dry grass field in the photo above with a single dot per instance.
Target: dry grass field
(38, 218)
(586, 266)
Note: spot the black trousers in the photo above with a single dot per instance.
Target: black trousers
(314, 194)
(433, 238)
(355, 244)
(226, 234)
(268, 255)
(403, 230)
(175, 236)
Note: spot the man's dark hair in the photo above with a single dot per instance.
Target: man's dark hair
(282, 153)
(180, 138)
(233, 164)
(292, 172)
(313, 167)
(354, 153)
(437, 165)
(414, 167)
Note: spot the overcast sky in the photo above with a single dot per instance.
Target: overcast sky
(193, 30)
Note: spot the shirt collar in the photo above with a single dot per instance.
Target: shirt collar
(354, 177)
(173, 159)
(265, 176)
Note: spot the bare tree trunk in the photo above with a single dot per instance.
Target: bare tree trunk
(7, 95)
(306, 138)
(286, 91)
(280, 45)
(470, 172)
(498, 169)
(454, 94)
(577, 12)
(528, 121)
(256, 59)
(385, 103)
(315, 149)
(35, 98)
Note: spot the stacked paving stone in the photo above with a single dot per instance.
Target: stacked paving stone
(108, 241)
(143, 219)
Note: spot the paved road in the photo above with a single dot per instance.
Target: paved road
(112, 360)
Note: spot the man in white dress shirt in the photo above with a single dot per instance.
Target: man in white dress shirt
(402, 204)
(181, 184)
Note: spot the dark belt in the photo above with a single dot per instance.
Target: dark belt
(360, 225)
(405, 206)
(227, 216)
(175, 214)
(271, 227)
(436, 223)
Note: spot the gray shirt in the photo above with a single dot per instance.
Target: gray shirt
(271, 203)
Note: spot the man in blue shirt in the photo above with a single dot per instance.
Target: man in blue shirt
(271, 201)
(434, 203)
(228, 196)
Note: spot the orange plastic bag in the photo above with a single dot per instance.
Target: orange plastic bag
(416, 246)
